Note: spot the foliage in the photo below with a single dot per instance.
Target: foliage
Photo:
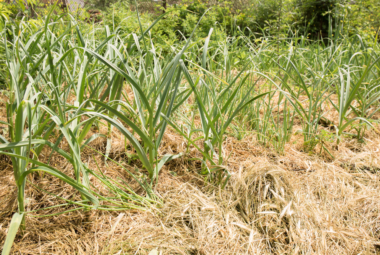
(362, 16)
(314, 16)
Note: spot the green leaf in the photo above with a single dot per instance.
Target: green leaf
(54, 172)
(204, 58)
(140, 151)
(135, 128)
(165, 159)
(13, 228)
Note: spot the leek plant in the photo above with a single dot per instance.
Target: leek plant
(44, 71)
(28, 127)
(358, 92)
(275, 125)
(218, 103)
(156, 96)
(309, 76)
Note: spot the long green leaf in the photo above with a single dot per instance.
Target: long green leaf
(12, 231)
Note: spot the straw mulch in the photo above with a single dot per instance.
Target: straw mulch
(291, 203)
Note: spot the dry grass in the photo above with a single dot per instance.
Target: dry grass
(293, 203)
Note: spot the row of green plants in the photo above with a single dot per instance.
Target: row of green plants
(65, 77)
(315, 83)
(48, 64)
